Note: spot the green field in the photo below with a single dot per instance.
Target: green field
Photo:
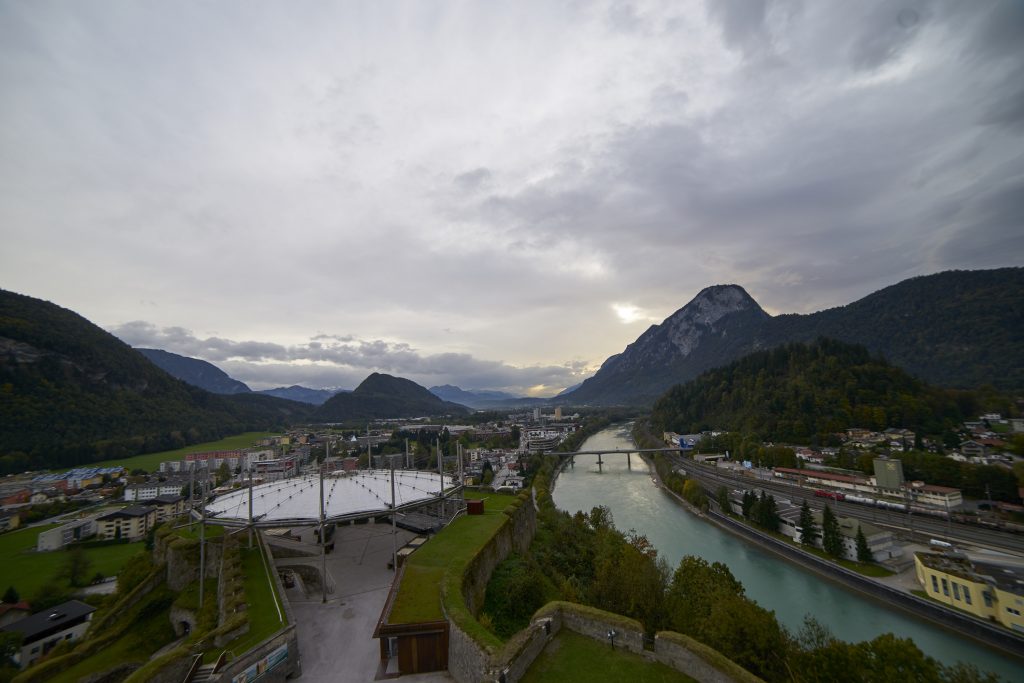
(572, 657)
(151, 461)
(418, 598)
(28, 571)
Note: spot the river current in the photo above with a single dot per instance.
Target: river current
(629, 491)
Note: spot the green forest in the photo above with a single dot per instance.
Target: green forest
(804, 393)
(72, 394)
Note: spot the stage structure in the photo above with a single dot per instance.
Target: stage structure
(347, 496)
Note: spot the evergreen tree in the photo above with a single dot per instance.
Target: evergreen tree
(831, 539)
(11, 596)
(723, 500)
(809, 530)
(863, 551)
(748, 503)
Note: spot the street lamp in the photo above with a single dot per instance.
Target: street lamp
(611, 636)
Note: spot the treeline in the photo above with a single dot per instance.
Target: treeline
(583, 558)
(807, 393)
(72, 394)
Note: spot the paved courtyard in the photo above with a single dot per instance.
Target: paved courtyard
(335, 638)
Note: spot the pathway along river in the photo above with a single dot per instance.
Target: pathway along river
(637, 503)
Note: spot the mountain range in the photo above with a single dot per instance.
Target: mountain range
(957, 329)
(205, 375)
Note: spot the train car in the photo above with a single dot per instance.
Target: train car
(850, 498)
(820, 493)
(891, 506)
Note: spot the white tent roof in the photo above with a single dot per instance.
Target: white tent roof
(347, 495)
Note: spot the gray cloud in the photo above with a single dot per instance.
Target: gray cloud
(333, 361)
(446, 189)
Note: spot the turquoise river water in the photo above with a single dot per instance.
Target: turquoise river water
(637, 503)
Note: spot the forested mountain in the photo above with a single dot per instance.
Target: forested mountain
(794, 392)
(71, 393)
(958, 329)
(198, 373)
(382, 396)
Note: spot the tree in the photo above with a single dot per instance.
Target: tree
(723, 500)
(831, 539)
(76, 566)
(863, 551)
(748, 503)
(11, 596)
(808, 529)
(223, 473)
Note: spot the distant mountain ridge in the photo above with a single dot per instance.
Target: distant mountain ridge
(959, 329)
(302, 394)
(72, 393)
(384, 396)
(198, 373)
(474, 398)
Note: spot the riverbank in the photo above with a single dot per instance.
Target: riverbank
(990, 636)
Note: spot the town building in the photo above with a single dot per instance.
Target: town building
(149, 490)
(12, 612)
(44, 630)
(55, 539)
(130, 523)
(9, 519)
(881, 543)
(167, 506)
(988, 591)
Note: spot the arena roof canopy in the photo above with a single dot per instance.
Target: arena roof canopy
(347, 495)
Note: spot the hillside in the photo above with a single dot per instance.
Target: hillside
(958, 329)
(198, 373)
(383, 396)
(792, 393)
(71, 393)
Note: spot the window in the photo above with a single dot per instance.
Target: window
(945, 587)
(935, 584)
(956, 591)
(967, 595)
(987, 597)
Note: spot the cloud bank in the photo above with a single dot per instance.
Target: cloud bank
(534, 181)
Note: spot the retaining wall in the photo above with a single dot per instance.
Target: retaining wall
(468, 660)
(671, 649)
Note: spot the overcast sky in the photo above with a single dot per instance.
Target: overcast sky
(494, 195)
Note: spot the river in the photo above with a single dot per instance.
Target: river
(637, 503)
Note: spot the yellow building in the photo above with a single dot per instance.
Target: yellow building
(131, 523)
(989, 591)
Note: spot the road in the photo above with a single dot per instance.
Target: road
(921, 526)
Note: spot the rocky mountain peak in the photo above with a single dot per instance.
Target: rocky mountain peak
(687, 325)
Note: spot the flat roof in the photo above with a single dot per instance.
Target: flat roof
(347, 495)
(50, 620)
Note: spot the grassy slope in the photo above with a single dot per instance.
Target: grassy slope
(28, 571)
(260, 593)
(418, 597)
(151, 461)
(572, 657)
